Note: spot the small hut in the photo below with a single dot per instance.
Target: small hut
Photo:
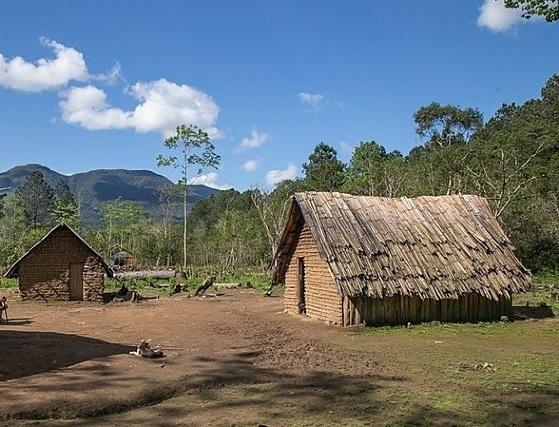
(61, 266)
(375, 260)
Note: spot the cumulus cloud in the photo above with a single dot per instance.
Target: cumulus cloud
(68, 64)
(209, 180)
(274, 177)
(250, 165)
(161, 106)
(256, 139)
(311, 100)
(495, 16)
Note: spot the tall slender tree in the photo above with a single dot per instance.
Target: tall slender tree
(192, 148)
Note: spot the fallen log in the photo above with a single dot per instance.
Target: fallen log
(206, 284)
(146, 274)
(227, 285)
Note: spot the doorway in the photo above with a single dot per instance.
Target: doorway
(301, 303)
(76, 281)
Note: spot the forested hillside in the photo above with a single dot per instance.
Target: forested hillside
(95, 188)
(512, 159)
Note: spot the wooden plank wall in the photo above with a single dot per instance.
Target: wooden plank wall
(322, 299)
(402, 309)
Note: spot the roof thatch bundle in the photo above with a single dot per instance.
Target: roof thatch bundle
(433, 247)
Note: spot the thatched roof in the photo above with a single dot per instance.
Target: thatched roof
(432, 247)
(14, 269)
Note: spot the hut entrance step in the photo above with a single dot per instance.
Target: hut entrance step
(76, 281)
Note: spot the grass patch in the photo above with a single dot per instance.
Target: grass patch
(546, 291)
(258, 281)
(7, 283)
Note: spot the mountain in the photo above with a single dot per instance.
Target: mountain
(97, 187)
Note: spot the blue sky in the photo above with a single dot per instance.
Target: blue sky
(269, 79)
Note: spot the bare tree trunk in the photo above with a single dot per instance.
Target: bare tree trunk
(184, 229)
(185, 194)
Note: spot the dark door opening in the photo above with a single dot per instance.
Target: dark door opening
(76, 281)
(302, 303)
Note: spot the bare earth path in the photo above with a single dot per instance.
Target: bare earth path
(239, 360)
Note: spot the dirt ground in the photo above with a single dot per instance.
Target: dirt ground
(240, 360)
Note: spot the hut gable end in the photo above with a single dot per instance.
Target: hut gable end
(61, 266)
(322, 299)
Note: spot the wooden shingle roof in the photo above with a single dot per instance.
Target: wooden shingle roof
(432, 247)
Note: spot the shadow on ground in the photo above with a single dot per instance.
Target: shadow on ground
(27, 353)
(236, 389)
(17, 322)
(525, 312)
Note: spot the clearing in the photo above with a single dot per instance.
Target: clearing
(239, 360)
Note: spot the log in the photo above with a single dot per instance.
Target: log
(227, 285)
(146, 274)
(206, 284)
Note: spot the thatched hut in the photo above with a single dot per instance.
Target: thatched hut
(61, 266)
(354, 259)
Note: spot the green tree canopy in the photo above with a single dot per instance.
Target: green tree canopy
(37, 199)
(443, 125)
(548, 9)
(65, 208)
(324, 171)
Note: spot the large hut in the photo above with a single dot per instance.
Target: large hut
(357, 259)
(61, 266)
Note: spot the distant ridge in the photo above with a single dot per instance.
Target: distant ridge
(97, 187)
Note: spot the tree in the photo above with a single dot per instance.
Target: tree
(65, 209)
(374, 172)
(548, 9)
(366, 168)
(62, 193)
(324, 171)
(64, 212)
(444, 125)
(272, 208)
(124, 222)
(37, 199)
(193, 147)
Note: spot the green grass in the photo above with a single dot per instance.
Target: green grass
(7, 283)
(162, 287)
(546, 291)
(522, 381)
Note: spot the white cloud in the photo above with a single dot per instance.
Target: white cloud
(209, 180)
(162, 106)
(44, 74)
(346, 148)
(312, 100)
(274, 177)
(495, 16)
(256, 139)
(250, 165)
(112, 76)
